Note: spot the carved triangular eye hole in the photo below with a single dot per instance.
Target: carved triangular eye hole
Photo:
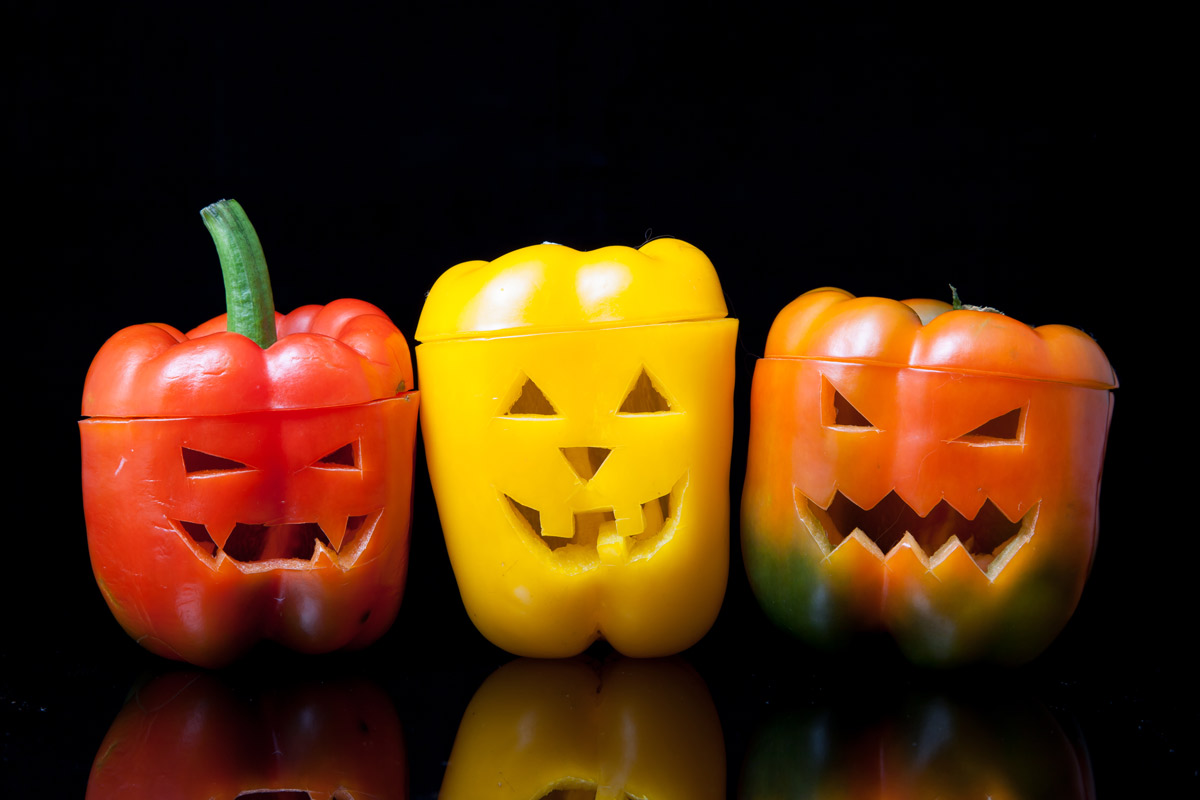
(1004, 428)
(345, 457)
(644, 397)
(846, 415)
(531, 401)
(196, 462)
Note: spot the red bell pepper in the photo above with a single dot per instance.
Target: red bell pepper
(236, 489)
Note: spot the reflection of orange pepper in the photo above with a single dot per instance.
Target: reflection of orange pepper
(929, 470)
(239, 488)
(188, 735)
(632, 729)
(1005, 748)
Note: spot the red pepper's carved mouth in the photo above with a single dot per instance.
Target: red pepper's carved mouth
(989, 537)
(296, 545)
(597, 536)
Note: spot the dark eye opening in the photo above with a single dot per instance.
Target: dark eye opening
(838, 411)
(845, 414)
(1004, 428)
(531, 401)
(345, 457)
(197, 462)
(644, 397)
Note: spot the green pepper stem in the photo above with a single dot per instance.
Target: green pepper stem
(248, 300)
(956, 304)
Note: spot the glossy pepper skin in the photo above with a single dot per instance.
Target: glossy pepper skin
(234, 493)
(578, 419)
(568, 729)
(931, 471)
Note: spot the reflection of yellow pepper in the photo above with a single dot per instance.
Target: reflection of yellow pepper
(578, 416)
(539, 729)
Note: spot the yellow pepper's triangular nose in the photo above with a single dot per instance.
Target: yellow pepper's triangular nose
(585, 461)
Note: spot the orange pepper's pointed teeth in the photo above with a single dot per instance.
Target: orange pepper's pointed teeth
(594, 536)
(255, 547)
(989, 536)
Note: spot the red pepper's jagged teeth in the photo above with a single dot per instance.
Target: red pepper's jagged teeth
(989, 536)
(254, 547)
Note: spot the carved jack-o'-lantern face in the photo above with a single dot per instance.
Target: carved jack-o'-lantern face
(234, 493)
(579, 443)
(288, 524)
(937, 479)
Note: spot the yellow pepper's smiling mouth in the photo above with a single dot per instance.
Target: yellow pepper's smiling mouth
(597, 537)
(252, 547)
(990, 538)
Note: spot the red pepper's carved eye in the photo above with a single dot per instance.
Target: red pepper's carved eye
(345, 457)
(1008, 428)
(531, 402)
(841, 413)
(644, 397)
(197, 462)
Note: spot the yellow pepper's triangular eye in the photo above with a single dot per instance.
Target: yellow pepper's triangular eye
(644, 397)
(1007, 428)
(531, 401)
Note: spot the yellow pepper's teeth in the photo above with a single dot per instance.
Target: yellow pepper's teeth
(255, 547)
(989, 536)
(596, 536)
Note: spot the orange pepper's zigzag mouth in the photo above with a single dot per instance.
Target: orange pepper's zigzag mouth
(255, 547)
(597, 537)
(990, 538)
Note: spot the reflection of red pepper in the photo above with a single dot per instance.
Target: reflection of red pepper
(237, 489)
(189, 735)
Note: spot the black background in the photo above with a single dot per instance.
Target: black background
(886, 152)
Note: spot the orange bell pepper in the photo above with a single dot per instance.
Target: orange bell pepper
(929, 470)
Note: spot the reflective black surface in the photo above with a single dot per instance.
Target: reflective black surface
(886, 153)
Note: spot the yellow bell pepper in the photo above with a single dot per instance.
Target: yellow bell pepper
(562, 729)
(578, 418)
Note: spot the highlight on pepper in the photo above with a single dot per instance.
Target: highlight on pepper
(929, 470)
(578, 423)
(251, 478)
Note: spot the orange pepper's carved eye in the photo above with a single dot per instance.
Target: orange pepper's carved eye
(840, 412)
(644, 397)
(1008, 428)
